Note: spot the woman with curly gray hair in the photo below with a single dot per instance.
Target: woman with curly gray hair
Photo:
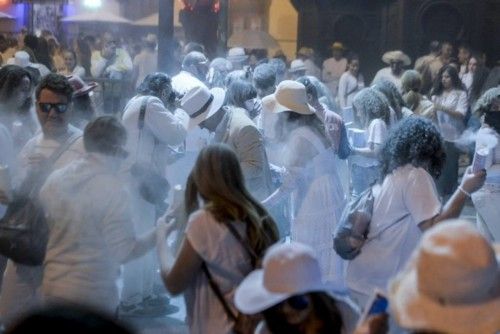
(487, 198)
(372, 114)
(406, 204)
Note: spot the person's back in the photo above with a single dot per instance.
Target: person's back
(90, 233)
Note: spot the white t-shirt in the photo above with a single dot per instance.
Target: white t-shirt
(228, 263)
(349, 85)
(407, 198)
(376, 135)
(386, 73)
(451, 127)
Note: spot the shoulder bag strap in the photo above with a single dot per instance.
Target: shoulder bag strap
(39, 180)
(244, 243)
(218, 293)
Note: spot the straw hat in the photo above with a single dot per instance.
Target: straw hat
(306, 52)
(396, 55)
(287, 270)
(451, 284)
(337, 46)
(236, 55)
(80, 87)
(200, 104)
(297, 65)
(289, 96)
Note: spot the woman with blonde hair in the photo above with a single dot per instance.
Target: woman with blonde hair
(411, 83)
(227, 232)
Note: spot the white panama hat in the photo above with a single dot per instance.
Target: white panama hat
(297, 65)
(288, 269)
(289, 96)
(451, 284)
(200, 103)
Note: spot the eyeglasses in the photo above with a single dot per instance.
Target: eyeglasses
(61, 108)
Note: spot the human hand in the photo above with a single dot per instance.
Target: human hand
(164, 226)
(375, 324)
(472, 182)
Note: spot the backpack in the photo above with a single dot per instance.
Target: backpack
(354, 225)
(243, 323)
(23, 229)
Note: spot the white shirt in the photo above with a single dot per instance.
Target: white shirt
(90, 233)
(228, 263)
(451, 127)
(332, 71)
(407, 198)
(159, 124)
(376, 134)
(386, 73)
(312, 69)
(6, 157)
(121, 65)
(78, 70)
(44, 146)
(349, 85)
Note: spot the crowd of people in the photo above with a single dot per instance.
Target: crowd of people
(227, 182)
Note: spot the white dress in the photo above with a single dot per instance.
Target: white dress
(318, 201)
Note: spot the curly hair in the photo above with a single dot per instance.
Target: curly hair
(483, 104)
(392, 95)
(414, 141)
(56, 83)
(371, 104)
(154, 84)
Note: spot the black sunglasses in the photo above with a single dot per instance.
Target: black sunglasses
(61, 108)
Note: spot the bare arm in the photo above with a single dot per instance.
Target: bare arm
(452, 209)
(187, 263)
(142, 245)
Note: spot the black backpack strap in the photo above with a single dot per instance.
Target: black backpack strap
(142, 113)
(253, 256)
(218, 293)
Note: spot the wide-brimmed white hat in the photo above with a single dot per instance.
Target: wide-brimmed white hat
(287, 270)
(451, 284)
(200, 104)
(396, 55)
(236, 55)
(289, 96)
(297, 65)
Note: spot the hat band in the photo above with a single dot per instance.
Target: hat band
(203, 108)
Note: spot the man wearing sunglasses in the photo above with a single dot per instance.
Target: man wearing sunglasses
(54, 147)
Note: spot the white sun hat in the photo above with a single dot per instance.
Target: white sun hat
(451, 284)
(289, 96)
(396, 55)
(287, 270)
(200, 103)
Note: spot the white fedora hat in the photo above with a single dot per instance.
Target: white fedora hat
(297, 65)
(451, 284)
(287, 270)
(200, 103)
(289, 96)
(396, 55)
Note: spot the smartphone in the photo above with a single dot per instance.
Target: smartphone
(377, 304)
